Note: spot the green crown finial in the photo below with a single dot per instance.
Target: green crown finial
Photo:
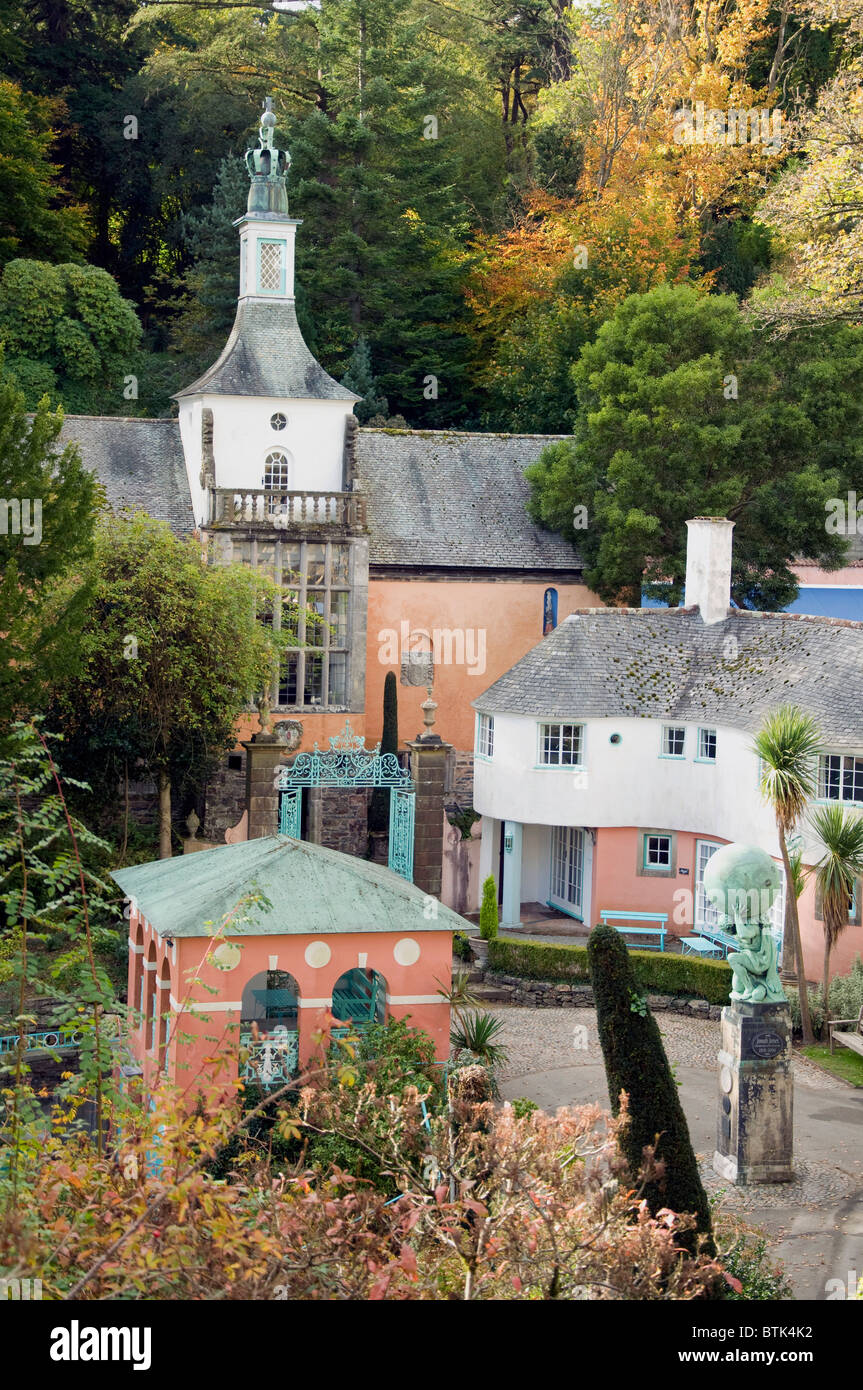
(268, 168)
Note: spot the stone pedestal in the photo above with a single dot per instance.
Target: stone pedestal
(754, 1132)
(428, 770)
(264, 753)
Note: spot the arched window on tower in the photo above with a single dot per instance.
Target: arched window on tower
(276, 471)
(276, 481)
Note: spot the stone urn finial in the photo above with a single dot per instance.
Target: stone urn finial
(192, 823)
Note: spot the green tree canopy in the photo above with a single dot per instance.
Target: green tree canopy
(48, 508)
(171, 653)
(683, 410)
(68, 333)
(31, 215)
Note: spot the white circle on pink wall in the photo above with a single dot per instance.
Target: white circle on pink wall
(317, 954)
(227, 956)
(406, 951)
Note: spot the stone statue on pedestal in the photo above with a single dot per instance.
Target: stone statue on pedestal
(754, 1136)
(743, 883)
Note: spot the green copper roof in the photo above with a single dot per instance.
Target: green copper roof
(312, 890)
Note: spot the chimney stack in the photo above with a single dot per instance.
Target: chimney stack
(708, 567)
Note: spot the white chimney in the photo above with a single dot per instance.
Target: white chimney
(708, 567)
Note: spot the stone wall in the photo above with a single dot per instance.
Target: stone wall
(338, 818)
(459, 778)
(540, 994)
(225, 800)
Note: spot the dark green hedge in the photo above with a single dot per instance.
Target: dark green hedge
(655, 971)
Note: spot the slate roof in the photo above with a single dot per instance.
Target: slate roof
(266, 355)
(667, 664)
(455, 500)
(139, 463)
(313, 890)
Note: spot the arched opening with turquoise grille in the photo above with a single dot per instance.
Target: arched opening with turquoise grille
(270, 998)
(360, 998)
(269, 1030)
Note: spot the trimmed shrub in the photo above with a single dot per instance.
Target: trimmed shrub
(379, 806)
(635, 1062)
(488, 911)
(654, 970)
(461, 946)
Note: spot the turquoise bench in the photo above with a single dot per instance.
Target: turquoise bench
(700, 946)
(719, 939)
(611, 919)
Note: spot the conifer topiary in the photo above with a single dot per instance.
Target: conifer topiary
(379, 808)
(635, 1062)
(488, 910)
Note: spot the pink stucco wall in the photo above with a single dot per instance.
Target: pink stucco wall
(849, 945)
(617, 886)
(201, 1051)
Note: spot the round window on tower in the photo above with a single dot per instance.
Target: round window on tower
(278, 421)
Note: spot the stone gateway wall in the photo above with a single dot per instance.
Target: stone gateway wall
(508, 989)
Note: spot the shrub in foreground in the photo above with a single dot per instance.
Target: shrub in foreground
(636, 1064)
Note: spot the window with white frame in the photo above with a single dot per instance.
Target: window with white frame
(485, 735)
(657, 853)
(276, 472)
(561, 745)
(673, 740)
(840, 777)
(707, 745)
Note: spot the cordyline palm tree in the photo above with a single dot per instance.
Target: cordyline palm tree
(841, 833)
(787, 744)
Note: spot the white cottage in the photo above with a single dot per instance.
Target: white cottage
(615, 758)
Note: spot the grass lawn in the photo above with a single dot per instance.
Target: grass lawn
(843, 1063)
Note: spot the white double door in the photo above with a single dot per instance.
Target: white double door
(570, 869)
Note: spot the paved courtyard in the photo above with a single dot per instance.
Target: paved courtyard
(814, 1225)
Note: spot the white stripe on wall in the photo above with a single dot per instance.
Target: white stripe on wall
(219, 1006)
(415, 999)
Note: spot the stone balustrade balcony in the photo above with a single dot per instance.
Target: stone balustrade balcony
(275, 509)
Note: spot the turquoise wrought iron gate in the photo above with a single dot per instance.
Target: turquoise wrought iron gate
(290, 809)
(348, 763)
(401, 845)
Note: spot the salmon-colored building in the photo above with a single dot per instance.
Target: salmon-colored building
(224, 987)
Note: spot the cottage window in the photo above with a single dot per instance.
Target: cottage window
(485, 735)
(657, 853)
(561, 745)
(673, 741)
(707, 745)
(840, 777)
